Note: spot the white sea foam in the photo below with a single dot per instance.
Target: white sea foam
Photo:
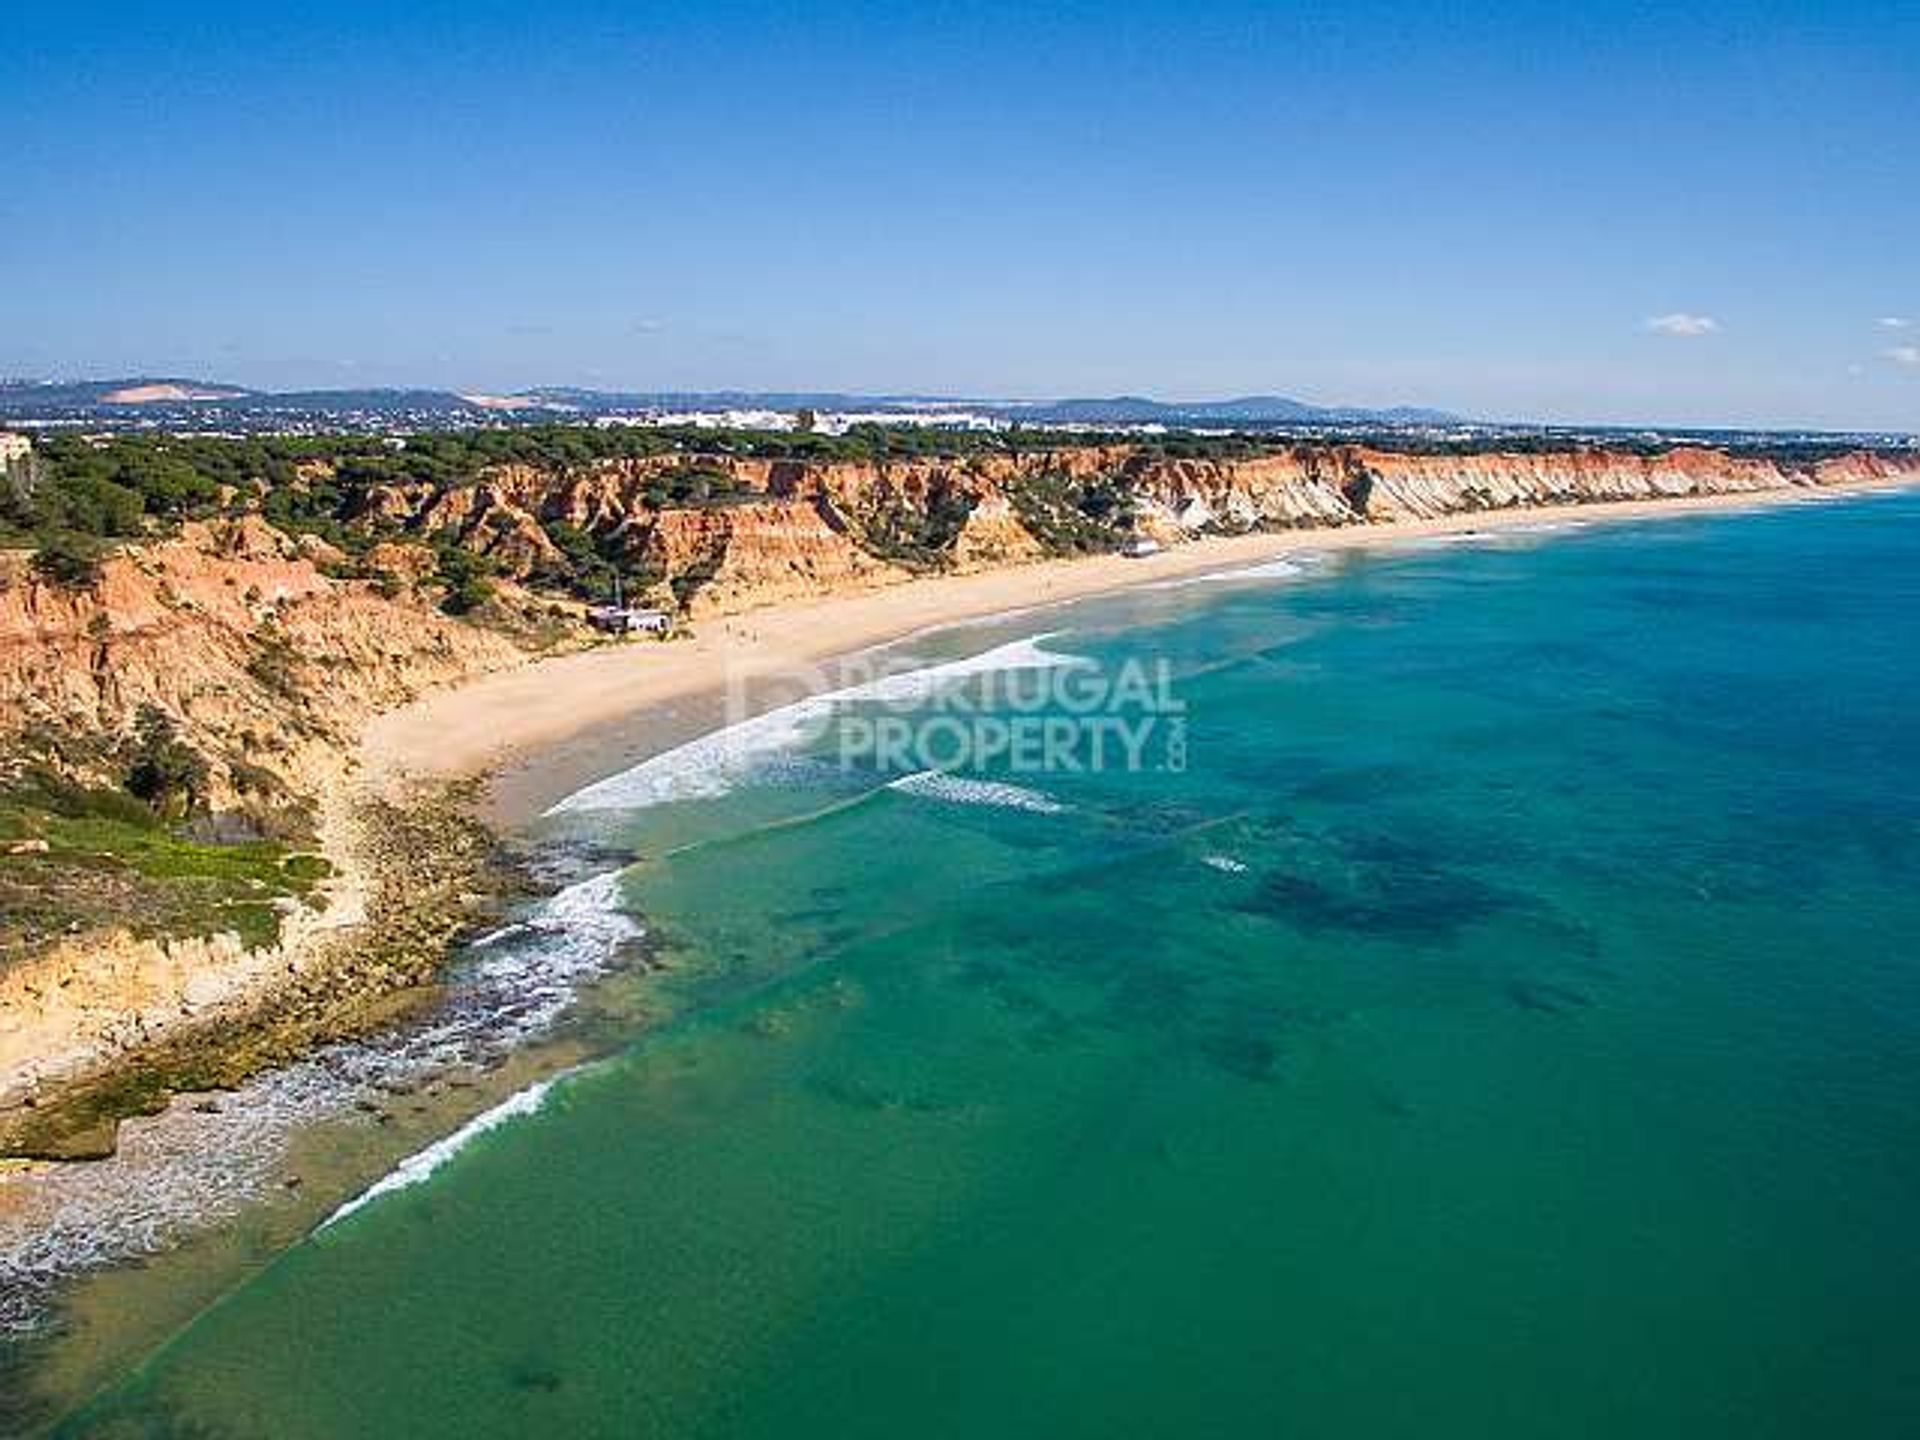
(1266, 570)
(1503, 535)
(194, 1164)
(524, 982)
(958, 790)
(713, 764)
(170, 1174)
(417, 1168)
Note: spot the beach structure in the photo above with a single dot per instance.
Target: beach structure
(626, 620)
(1140, 546)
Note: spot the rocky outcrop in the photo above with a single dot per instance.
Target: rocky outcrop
(110, 1024)
(68, 1010)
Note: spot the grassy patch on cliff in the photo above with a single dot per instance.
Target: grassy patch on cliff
(75, 858)
(432, 873)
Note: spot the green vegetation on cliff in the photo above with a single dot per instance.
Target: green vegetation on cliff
(916, 535)
(82, 494)
(123, 486)
(78, 858)
(1072, 515)
(430, 870)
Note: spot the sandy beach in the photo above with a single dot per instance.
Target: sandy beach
(543, 730)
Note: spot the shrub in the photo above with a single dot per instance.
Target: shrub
(167, 773)
(275, 664)
(67, 562)
(464, 574)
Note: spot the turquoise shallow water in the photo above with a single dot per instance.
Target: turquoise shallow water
(1507, 1023)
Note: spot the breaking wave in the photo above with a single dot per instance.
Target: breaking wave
(959, 790)
(416, 1168)
(203, 1160)
(1266, 570)
(715, 763)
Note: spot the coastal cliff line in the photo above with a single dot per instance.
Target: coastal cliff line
(186, 875)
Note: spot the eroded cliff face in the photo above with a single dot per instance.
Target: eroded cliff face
(266, 668)
(1344, 485)
(739, 556)
(786, 529)
(109, 1022)
(237, 630)
(233, 630)
(110, 993)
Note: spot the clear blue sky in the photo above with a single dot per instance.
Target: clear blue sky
(1481, 208)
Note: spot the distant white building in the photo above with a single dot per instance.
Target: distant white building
(823, 422)
(838, 422)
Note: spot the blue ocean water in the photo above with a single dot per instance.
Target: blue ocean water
(1486, 1005)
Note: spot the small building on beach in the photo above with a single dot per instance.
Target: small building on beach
(626, 620)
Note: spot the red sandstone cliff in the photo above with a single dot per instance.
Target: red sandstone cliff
(796, 528)
(232, 629)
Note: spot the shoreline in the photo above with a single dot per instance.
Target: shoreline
(641, 687)
(567, 714)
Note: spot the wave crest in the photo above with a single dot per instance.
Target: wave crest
(715, 763)
(417, 1167)
(959, 790)
(195, 1163)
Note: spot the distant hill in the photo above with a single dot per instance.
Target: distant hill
(151, 399)
(20, 396)
(170, 397)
